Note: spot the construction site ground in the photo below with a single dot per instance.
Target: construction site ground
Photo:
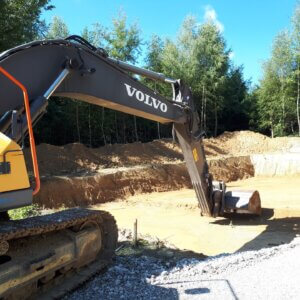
(149, 182)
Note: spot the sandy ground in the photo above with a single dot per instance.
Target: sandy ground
(174, 216)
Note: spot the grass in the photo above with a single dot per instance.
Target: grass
(24, 212)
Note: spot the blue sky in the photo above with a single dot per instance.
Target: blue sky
(248, 26)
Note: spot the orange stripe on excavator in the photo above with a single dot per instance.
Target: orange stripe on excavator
(30, 130)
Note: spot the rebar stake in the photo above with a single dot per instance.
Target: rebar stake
(135, 233)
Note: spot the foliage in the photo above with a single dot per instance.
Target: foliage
(24, 212)
(58, 29)
(278, 95)
(199, 56)
(20, 21)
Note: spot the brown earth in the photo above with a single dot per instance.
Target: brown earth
(77, 158)
(119, 183)
(74, 175)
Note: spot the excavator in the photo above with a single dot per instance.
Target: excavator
(49, 255)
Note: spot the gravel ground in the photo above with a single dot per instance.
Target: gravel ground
(271, 273)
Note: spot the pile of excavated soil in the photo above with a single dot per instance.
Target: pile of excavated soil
(86, 176)
(244, 143)
(77, 158)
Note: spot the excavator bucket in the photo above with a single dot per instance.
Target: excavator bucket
(247, 202)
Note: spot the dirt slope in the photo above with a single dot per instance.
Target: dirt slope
(76, 158)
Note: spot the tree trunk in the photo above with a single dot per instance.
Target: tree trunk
(116, 126)
(283, 107)
(204, 116)
(90, 128)
(216, 119)
(135, 129)
(202, 110)
(102, 125)
(158, 130)
(77, 121)
(124, 130)
(298, 97)
(272, 130)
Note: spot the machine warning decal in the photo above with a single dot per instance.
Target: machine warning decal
(195, 154)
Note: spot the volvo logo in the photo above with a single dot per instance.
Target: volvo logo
(142, 97)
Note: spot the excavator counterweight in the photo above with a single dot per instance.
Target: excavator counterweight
(72, 239)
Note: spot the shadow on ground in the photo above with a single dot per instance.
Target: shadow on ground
(278, 230)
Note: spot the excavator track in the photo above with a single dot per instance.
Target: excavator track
(49, 256)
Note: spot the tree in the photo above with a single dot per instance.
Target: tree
(277, 109)
(61, 124)
(20, 21)
(296, 57)
(268, 100)
(124, 42)
(199, 57)
(58, 29)
(237, 104)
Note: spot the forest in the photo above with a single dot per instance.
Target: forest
(199, 55)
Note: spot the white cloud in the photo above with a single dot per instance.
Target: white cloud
(231, 55)
(210, 15)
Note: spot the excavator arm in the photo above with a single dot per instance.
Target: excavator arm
(75, 69)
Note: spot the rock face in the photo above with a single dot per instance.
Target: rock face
(279, 164)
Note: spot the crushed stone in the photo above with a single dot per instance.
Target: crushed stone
(270, 273)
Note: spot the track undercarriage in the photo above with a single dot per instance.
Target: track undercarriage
(40, 252)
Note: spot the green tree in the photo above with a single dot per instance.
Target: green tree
(237, 104)
(199, 57)
(121, 41)
(296, 58)
(154, 62)
(20, 21)
(277, 109)
(61, 124)
(58, 29)
(124, 42)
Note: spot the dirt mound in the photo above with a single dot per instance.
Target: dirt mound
(244, 143)
(78, 159)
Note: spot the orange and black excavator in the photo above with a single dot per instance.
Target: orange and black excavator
(39, 252)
